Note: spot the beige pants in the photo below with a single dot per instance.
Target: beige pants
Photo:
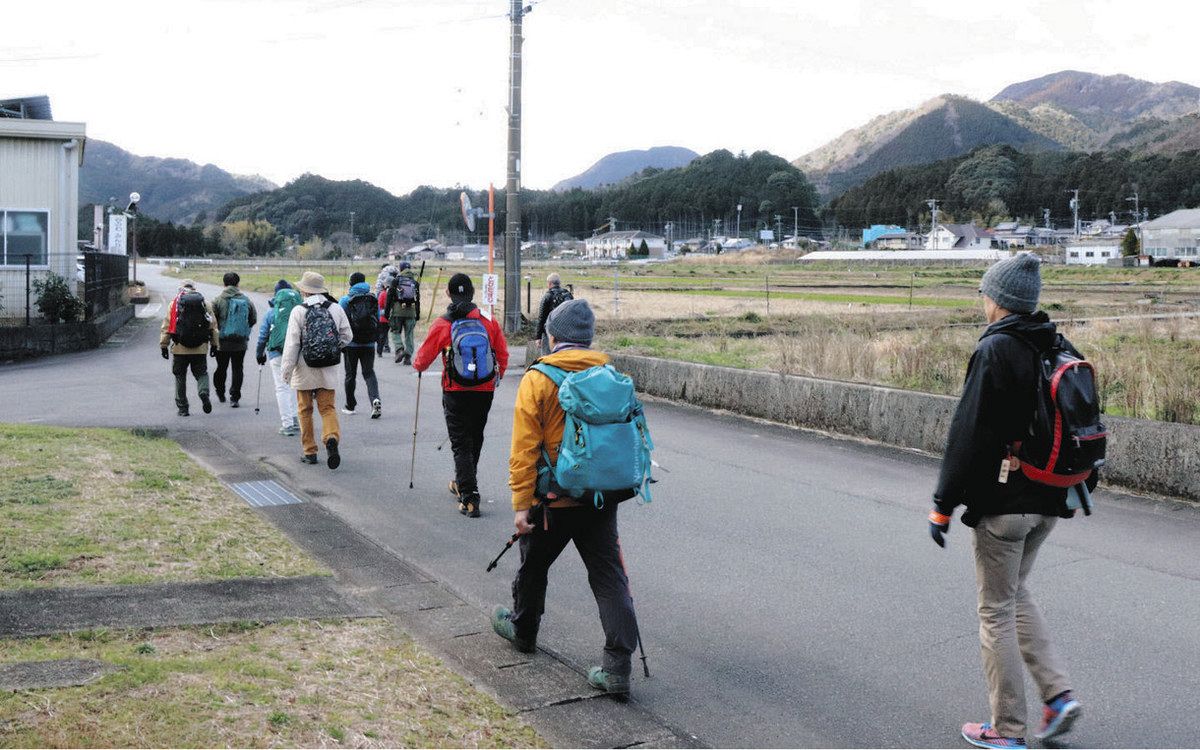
(326, 406)
(1011, 626)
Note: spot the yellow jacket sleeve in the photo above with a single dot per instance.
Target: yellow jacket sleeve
(527, 437)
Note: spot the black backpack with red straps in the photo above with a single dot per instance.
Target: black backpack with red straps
(1067, 438)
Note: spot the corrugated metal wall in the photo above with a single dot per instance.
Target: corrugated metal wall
(30, 178)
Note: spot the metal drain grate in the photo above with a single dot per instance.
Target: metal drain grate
(264, 493)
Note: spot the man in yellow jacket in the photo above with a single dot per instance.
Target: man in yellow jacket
(547, 524)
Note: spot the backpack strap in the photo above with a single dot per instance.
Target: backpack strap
(556, 374)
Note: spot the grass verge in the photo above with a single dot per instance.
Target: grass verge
(98, 506)
(299, 684)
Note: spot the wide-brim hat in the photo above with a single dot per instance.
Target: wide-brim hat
(312, 283)
(187, 283)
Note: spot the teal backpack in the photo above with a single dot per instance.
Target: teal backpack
(237, 319)
(606, 444)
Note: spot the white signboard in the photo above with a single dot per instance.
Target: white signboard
(491, 289)
(767, 235)
(116, 234)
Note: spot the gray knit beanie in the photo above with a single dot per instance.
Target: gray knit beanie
(1015, 283)
(572, 322)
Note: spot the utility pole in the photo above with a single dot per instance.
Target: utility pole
(778, 228)
(351, 234)
(1074, 204)
(512, 219)
(739, 221)
(933, 225)
(796, 226)
(1137, 215)
(1046, 217)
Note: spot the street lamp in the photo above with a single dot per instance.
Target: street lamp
(132, 209)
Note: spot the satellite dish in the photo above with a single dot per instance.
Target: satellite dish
(468, 213)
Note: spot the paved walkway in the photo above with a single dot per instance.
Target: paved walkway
(787, 589)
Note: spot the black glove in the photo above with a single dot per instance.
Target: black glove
(262, 359)
(212, 351)
(939, 526)
(165, 353)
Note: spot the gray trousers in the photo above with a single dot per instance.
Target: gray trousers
(402, 335)
(198, 364)
(595, 536)
(1012, 629)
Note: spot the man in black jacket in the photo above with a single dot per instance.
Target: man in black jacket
(555, 295)
(1011, 515)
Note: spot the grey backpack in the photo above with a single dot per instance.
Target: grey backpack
(320, 344)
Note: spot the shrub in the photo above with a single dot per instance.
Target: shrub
(55, 300)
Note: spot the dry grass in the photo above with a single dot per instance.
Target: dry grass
(108, 507)
(302, 684)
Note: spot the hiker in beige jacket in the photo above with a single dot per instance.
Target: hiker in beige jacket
(315, 385)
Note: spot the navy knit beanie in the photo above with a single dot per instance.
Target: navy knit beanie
(282, 284)
(572, 322)
(1014, 283)
(460, 286)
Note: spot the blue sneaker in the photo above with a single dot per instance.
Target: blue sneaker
(982, 735)
(1058, 716)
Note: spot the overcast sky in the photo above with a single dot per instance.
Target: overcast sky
(403, 93)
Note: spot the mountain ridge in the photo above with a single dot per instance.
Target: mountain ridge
(621, 165)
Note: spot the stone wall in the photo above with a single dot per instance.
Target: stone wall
(1143, 455)
(21, 342)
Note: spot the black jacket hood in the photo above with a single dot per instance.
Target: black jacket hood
(459, 309)
(1036, 328)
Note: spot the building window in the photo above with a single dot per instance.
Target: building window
(1074, 253)
(24, 233)
(1090, 254)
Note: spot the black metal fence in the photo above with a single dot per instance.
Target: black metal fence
(105, 277)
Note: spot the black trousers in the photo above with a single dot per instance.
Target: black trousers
(381, 342)
(226, 361)
(595, 536)
(352, 357)
(198, 364)
(466, 418)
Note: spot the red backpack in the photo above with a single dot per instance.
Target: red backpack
(1067, 440)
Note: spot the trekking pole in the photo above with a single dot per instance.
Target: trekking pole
(258, 392)
(443, 443)
(535, 517)
(433, 297)
(412, 469)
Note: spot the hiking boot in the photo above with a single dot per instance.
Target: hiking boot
(982, 735)
(608, 682)
(308, 458)
(399, 356)
(292, 431)
(503, 625)
(205, 403)
(183, 411)
(376, 409)
(1058, 715)
(469, 505)
(348, 410)
(286, 431)
(408, 359)
(454, 487)
(221, 397)
(233, 404)
(335, 459)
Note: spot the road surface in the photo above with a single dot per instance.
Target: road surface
(787, 588)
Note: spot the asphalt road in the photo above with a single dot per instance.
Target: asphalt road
(788, 592)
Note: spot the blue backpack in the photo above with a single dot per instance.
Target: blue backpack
(237, 319)
(472, 362)
(606, 444)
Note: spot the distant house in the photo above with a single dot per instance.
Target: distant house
(616, 245)
(465, 252)
(39, 197)
(900, 240)
(958, 237)
(1095, 251)
(875, 231)
(1175, 235)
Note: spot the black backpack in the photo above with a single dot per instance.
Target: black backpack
(320, 344)
(363, 311)
(192, 325)
(559, 295)
(1067, 440)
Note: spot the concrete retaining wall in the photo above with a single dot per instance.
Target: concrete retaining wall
(1160, 457)
(20, 342)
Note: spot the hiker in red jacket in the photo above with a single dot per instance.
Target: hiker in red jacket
(474, 358)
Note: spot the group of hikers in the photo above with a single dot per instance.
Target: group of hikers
(580, 446)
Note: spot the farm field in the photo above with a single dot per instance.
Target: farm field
(899, 326)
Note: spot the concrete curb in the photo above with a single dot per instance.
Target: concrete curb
(1143, 455)
(550, 693)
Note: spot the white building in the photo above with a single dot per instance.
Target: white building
(1092, 251)
(957, 237)
(1175, 235)
(616, 245)
(39, 197)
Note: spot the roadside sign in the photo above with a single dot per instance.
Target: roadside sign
(116, 234)
(767, 235)
(491, 287)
